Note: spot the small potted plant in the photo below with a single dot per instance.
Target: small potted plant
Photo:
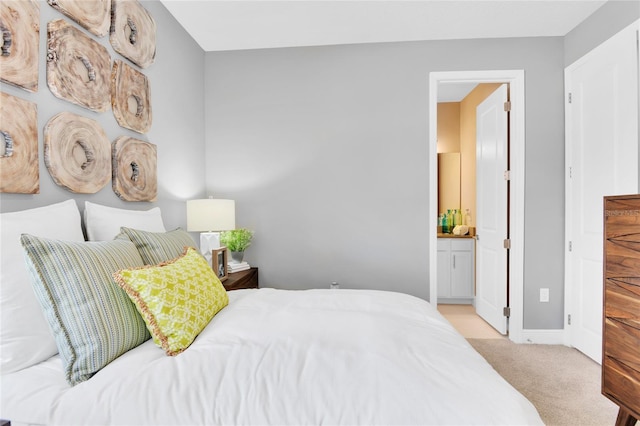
(236, 241)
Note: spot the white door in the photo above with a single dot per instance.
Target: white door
(601, 159)
(491, 209)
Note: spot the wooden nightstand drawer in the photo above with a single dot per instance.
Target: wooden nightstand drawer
(622, 384)
(622, 342)
(622, 302)
(242, 279)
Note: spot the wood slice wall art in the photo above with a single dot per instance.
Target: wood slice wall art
(130, 97)
(77, 153)
(20, 40)
(134, 169)
(78, 68)
(133, 32)
(19, 171)
(93, 15)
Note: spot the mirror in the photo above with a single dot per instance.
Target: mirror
(448, 181)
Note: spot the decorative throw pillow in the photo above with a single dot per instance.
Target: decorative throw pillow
(177, 299)
(92, 319)
(103, 223)
(158, 247)
(25, 336)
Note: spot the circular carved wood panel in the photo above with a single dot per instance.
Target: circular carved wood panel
(133, 32)
(130, 97)
(94, 15)
(20, 40)
(77, 153)
(78, 68)
(19, 168)
(134, 169)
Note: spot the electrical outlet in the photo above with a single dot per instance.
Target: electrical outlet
(544, 294)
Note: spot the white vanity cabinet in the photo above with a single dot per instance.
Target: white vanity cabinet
(456, 270)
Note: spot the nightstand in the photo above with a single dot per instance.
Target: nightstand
(242, 279)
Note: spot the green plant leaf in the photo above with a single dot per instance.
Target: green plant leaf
(236, 239)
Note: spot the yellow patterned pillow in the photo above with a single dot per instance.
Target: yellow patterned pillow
(177, 299)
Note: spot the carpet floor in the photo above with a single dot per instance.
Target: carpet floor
(561, 382)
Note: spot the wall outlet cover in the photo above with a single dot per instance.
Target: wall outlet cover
(544, 294)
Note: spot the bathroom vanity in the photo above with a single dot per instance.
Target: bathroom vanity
(456, 269)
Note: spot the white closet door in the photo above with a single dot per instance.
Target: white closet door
(601, 159)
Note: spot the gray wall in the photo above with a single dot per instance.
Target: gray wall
(325, 151)
(600, 26)
(176, 79)
(330, 150)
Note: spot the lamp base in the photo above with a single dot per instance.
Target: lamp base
(208, 242)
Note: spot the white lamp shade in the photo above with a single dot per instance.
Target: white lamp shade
(211, 214)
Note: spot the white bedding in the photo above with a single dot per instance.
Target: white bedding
(287, 357)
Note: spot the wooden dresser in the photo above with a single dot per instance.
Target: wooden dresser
(621, 322)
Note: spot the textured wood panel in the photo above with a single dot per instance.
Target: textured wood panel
(133, 32)
(20, 38)
(134, 169)
(93, 15)
(19, 171)
(622, 384)
(621, 323)
(78, 68)
(77, 153)
(622, 342)
(130, 97)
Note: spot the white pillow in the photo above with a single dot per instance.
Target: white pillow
(103, 223)
(25, 336)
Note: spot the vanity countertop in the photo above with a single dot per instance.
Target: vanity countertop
(470, 234)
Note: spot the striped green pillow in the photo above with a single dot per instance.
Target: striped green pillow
(92, 318)
(158, 247)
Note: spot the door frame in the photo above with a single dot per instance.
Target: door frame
(515, 78)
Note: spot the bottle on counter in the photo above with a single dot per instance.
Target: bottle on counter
(467, 217)
(457, 217)
(446, 222)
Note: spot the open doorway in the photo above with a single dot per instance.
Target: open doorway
(473, 127)
(515, 79)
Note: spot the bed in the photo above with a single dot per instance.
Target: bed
(274, 356)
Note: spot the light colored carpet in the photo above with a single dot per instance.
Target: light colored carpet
(561, 382)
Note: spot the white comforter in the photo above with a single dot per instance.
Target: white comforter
(287, 357)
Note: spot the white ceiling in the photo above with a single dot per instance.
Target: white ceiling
(454, 92)
(219, 25)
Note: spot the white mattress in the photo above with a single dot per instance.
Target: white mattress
(287, 357)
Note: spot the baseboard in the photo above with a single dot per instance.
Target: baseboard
(543, 337)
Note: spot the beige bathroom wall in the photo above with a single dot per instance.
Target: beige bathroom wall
(448, 127)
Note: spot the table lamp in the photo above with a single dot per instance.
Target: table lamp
(210, 216)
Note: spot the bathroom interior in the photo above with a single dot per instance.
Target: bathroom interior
(457, 197)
